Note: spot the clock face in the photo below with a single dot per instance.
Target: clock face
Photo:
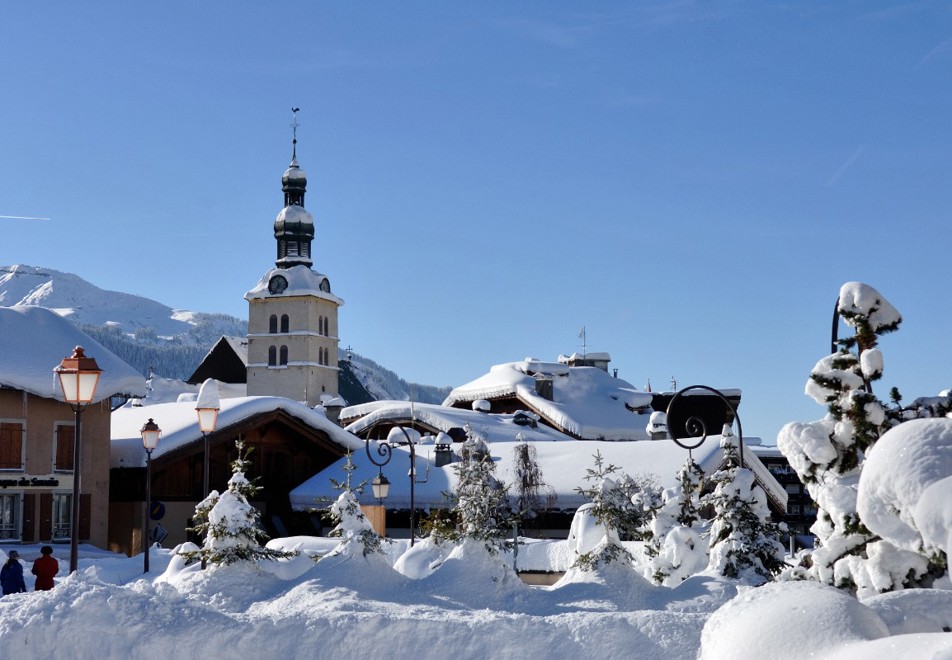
(277, 284)
(326, 285)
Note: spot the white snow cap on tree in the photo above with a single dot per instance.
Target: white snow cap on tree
(857, 298)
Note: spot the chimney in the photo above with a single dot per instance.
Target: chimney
(543, 386)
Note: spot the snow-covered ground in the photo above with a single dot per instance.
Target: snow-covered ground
(470, 607)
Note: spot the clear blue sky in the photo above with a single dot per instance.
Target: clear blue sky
(691, 181)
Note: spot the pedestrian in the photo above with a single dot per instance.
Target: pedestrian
(11, 575)
(45, 569)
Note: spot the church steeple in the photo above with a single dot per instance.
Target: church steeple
(294, 226)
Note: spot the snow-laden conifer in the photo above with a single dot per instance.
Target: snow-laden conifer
(232, 525)
(616, 509)
(828, 454)
(676, 549)
(482, 507)
(357, 535)
(743, 540)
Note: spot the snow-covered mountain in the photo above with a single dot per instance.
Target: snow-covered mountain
(170, 342)
(86, 304)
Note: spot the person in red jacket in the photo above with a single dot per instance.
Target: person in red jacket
(45, 569)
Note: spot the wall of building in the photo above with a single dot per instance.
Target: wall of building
(38, 480)
(303, 378)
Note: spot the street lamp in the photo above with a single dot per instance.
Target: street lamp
(385, 450)
(381, 487)
(150, 439)
(207, 408)
(78, 378)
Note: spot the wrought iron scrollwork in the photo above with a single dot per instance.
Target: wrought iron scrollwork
(696, 427)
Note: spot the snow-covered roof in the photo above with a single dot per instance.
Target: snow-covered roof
(563, 466)
(302, 281)
(491, 427)
(34, 340)
(587, 402)
(179, 424)
(239, 345)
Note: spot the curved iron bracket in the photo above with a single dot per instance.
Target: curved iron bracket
(694, 426)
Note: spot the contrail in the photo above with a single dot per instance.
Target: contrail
(20, 217)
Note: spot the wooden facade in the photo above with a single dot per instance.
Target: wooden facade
(285, 453)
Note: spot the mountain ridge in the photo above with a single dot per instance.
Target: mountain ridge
(155, 338)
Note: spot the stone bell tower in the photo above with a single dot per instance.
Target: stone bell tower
(292, 314)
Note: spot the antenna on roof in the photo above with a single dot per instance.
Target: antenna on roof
(294, 125)
(581, 335)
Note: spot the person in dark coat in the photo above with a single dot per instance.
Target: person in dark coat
(45, 569)
(11, 575)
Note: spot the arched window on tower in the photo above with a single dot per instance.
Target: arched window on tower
(273, 324)
(285, 323)
(327, 331)
(284, 355)
(272, 355)
(320, 325)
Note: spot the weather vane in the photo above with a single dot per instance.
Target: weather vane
(294, 126)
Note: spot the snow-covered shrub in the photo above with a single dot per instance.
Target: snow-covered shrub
(903, 497)
(676, 549)
(743, 540)
(233, 526)
(614, 508)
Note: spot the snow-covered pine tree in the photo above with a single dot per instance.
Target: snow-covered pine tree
(743, 540)
(676, 550)
(611, 493)
(828, 454)
(351, 525)
(233, 530)
(482, 501)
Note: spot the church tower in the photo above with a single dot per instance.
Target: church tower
(292, 314)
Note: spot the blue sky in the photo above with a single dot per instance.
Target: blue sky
(690, 181)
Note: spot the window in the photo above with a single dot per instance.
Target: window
(63, 439)
(792, 489)
(9, 517)
(320, 325)
(62, 514)
(11, 445)
(284, 355)
(273, 324)
(272, 356)
(285, 323)
(326, 326)
(320, 356)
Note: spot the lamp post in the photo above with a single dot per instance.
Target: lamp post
(696, 427)
(207, 408)
(385, 450)
(78, 377)
(150, 439)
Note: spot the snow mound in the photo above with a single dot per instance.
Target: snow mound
(472, 576)
(914, 610)
(788, 620)
(905, 463)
